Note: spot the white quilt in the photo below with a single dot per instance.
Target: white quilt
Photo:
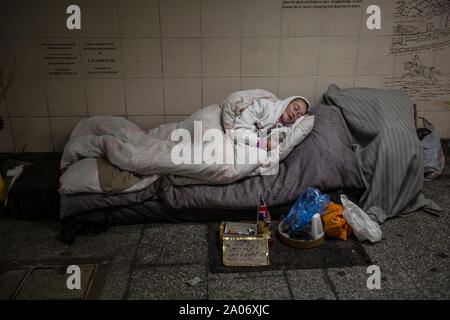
(151, 154)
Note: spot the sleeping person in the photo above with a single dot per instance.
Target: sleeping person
(266, 114)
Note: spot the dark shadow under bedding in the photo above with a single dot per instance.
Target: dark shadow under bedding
(155, 211)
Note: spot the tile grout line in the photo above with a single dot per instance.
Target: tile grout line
(328, 281)
(291, 293)
(202, 104)
(121, 61)
(207, 261)
(90, 283)
(383, 293)
(83, 77)
(240, 47)
(162, 62)
(355, 73)
(22, 283)
(279, 50)
(126, 294)
(405, 270)
(85, 87)
(9, 124)
(299, 75)
(49, 120)
(189, 37)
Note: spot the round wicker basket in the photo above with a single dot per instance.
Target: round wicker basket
(298, 243)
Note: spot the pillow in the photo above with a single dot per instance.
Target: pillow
(299, 131)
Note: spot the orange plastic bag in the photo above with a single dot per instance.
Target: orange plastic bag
(334, 223)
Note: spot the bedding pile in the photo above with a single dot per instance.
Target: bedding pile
(179, 150)
(324, 160)
(360, 139)
(381, 126)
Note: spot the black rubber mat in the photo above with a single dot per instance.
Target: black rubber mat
(332, 253)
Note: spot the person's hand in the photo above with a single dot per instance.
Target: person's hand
(272, 145)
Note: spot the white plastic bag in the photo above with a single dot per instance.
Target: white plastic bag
(363, 227)
(434, 159)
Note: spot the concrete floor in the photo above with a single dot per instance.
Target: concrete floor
(155, 261)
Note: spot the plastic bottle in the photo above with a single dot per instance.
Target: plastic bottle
(316, 227)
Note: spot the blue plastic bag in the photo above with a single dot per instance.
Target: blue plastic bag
(310, 202)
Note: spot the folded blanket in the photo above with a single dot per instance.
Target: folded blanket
(113, 179)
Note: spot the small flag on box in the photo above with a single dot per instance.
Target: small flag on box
(264, 211)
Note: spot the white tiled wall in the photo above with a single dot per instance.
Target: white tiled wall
(221, 57)
(176, 56)
(144, 96)
(66, 97)
(32, 134)
(182, 57)
(105, 97)
(299, 55)
(61, 127)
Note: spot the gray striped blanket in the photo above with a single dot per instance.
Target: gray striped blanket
(381, 126)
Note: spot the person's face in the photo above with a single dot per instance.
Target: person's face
(295, 109)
